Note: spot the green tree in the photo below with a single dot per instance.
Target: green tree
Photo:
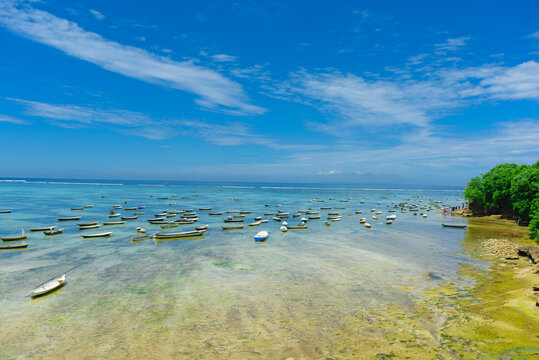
(497, 188)
(474, 194)
(524, 190)
(534, 223)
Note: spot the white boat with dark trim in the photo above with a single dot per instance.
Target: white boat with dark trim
(49, 286)
(261, 236)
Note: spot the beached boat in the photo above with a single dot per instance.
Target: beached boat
(14, 246)
(49, 286)
(96, 226)
(456, 226)
(5, 211)
(104, 234)
(179, 235)
(113, 222)
(53, 231)
(232, 227)
(43, 228)
(70, 218)
(261, 236)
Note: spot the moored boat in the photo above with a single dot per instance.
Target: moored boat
(104, 234)
(69, 218)
(14, 246)
(456, 226)
(113, 222)
(232, 227)
(179, 235)
(96, 226)
(88, 223)
(53, 231)
(43, 228)
(261, 236)
(5, 211)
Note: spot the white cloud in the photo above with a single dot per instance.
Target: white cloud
(224, 58)
(330, 172)
(12, 120)
(97, 14)
(215, 91)
(353, 101)
(534, 35)
(452, 44)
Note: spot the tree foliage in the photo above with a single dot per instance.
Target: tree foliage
(508, 189)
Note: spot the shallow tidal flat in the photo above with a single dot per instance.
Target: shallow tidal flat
(407, 290)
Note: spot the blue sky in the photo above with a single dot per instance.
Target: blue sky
(393, 92)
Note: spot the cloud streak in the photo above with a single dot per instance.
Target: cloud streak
(214, 91)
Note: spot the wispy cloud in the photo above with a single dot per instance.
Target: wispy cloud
(224, 58)
(534, 35)
(373, 103)
(452, 44)
(215, 91)
(12, 120)
(97, 14)
(330, 172)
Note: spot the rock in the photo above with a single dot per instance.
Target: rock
(531, 252)
(536, 287)
(537, 301)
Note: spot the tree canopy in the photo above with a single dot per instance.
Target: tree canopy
(508, 189)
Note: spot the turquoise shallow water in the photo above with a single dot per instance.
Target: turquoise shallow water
(222, 293)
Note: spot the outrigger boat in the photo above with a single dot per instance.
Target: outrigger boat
(49, 286)
(23, 236)
(43, 228)
(53, 231)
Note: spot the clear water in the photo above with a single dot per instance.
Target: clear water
(220, 295)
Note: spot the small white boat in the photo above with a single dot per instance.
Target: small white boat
(256, 223)
(375, 217)
(261, 236)
(105, 234)
(367, 225)
(362, 220)
(86, 227)
(389, 222)
(45, 228)
(284, 228)
(49, 286)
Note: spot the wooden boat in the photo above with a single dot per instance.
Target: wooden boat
(78, 208)
(245, 212)
(232, 227)
(104, 234)
(265, 221)
(43, 228)
(276, 219)
(113, 222)
(169, 226)
(269, 214)
(142, 238)
(455, 226)
(130, 208)
(204, 209)
(216, 213)
(116, 206)
(232, 211)
(314, 217)
(258, 218)
(256, 223)
(23, 236)
(53, 231)
(49, 286)
(138, 213)
(129, 217)
(336, 218)
(261, 236)
(333, 214)
(313, 212)
(367, 225)
(114, 215)
(14, 246)
(389, 222)
(88, 223)
(325, 208)
(179, 235)
(70, 218)
(359, 212)
(141, 207)
(96, 226)
(163, 214)
(203, 227)
(234, 220)
(296, 227)
(88, 206)
(157, 221)
(141, 230)
(362, 220)
(184, 222)
(5, 211)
